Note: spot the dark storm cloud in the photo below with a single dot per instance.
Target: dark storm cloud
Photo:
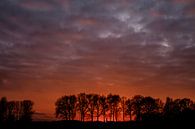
(131, 42)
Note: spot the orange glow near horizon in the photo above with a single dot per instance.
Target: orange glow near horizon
(44, 99)
(57, 47)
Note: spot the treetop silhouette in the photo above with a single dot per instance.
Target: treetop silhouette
(113, 107)
(16, 110)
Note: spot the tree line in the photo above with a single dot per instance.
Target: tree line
(11, 111)
(112, 107)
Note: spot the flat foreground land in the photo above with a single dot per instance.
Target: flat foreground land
(97, 125)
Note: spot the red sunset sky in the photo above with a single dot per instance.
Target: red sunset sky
(49, 48)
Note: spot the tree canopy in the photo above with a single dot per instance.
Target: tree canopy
(113, 107)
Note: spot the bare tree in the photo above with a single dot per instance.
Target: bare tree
(185, 104)
(110, 102)
(117, 109)
(27, 110)
(123, 106)
(150, 105)
(144, 108)
(72, 107)
(151, 109)
(113, 102)
(92, 102)
(82, 105)
(129, 108)
(65, 107)
(61, 107)
(137, 102)
(3, 109)
(103, 106)
(10, 108)
(97, 106)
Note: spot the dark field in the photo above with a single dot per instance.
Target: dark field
(99, 125)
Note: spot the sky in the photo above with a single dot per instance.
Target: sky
(49, 48)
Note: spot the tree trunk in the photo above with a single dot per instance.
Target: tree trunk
(69, 114)
(92, 116)
(113, 114)
(81, 117)
(104, 116)
(97, 114)
(116, 116)
(123, 113)
(130, 116)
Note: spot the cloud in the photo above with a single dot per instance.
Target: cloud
(35, 5)
(74, 44)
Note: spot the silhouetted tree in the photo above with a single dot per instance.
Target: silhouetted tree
(168, 105)
(185, 104)
(97, 106)
(193, 106)
(62, 107)
(137, 103)
(150, 105)
(3, 109)
(151, 108)
(27, 110)
(18, 110)
(92, 100)
(103, 106)
(123, 106)
(160, 105)
(117, 109)
(113, 102)
(66, 107)
(11, 113)
(94, 105)
(171, 109)
(72, 107)
(110, 102)
(82, 105)
(129, 108)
